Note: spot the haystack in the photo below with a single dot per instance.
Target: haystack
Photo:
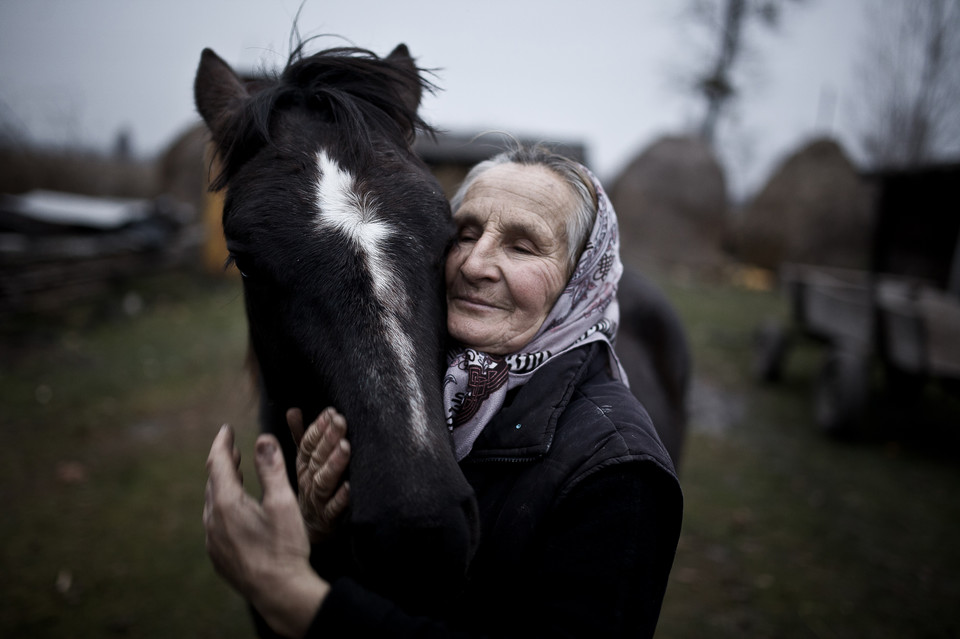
(672, 202)
(815, 209)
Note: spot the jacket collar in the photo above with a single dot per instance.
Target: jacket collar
(524, 427)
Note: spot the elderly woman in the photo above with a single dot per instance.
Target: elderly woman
(580, 505)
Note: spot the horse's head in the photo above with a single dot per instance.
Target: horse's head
(339, 231)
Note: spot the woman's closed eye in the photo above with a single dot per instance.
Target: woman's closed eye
(524, 248)
(467, 237)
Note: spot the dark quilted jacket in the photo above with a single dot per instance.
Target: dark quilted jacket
(580, 516)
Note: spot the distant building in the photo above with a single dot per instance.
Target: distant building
(451, 155)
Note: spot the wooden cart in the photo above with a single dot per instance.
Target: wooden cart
(903, 313)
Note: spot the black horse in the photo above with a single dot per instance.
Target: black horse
(339, 231)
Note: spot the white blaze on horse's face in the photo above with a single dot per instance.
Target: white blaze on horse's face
(342, 209)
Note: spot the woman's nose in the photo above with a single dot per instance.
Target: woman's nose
(480, 261)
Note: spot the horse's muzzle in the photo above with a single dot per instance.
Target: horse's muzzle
(419, 561)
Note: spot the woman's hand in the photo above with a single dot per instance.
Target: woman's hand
(261, 548)
(322, 458)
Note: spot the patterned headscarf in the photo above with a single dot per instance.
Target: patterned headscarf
(476, 383)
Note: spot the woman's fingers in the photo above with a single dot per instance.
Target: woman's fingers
(321, 440)
(338, 504)
(321, 518)
(309, 445)
(322, 459)
(295, 423)
(306, 447)
(328, 473)
(223, 462)
(224, 480)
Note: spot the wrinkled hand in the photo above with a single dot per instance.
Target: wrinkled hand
(322, 457)
(261, 548)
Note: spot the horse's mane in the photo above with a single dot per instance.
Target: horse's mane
(353, 87)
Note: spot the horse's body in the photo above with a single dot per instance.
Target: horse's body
(653, 348)
(340, 231)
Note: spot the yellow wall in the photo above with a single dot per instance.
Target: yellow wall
(215, 246)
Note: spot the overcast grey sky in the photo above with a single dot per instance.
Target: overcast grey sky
(601, 72)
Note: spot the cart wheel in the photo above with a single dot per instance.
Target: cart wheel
(905, 388)
(841, 392)
(770, 342)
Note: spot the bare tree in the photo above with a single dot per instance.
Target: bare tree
(727, 20)
(910, 95)
(12, 128)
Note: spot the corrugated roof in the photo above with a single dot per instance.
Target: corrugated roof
(71, 209)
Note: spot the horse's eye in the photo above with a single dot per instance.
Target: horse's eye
(241, 263)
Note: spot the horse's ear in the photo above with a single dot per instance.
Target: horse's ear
(217, 90)
(413, 91)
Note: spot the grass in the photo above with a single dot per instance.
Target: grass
(790, 534)
(106, 419)
(105, 426)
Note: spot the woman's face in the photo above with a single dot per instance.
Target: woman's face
(509, 262)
